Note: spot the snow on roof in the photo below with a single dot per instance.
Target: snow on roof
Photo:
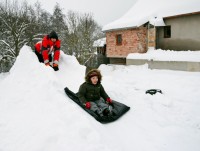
(153, 11)
(100, 42)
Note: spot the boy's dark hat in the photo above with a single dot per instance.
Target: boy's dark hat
(53, 34)
(93, 74)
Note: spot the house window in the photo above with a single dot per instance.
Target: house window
(167, 32)
(119, 39)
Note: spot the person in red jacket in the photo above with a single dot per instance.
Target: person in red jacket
(44, 49)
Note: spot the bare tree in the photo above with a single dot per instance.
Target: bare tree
(83, 31)
(72, 39)
(16, 28)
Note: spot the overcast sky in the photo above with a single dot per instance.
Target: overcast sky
(104, 11)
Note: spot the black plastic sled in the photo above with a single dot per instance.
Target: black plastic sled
(119, 108)
(153, 91)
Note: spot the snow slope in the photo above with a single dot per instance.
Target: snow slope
(36, 115)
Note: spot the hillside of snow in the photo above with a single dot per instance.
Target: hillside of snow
(36, 114)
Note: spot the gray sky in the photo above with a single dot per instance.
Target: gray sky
(104, 11)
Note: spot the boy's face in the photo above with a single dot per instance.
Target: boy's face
(94, 80)
(53, 39)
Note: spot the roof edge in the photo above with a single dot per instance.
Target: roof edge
(116, 29)
(186, 14)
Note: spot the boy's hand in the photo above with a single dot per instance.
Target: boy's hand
(109, 100)
(88, 105)
(47, 64)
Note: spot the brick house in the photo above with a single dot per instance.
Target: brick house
(174, 27)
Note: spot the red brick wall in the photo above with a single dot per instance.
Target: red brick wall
(133, 40)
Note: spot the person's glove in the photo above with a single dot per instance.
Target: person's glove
(55, 67)
(109, 100)
(47, 64)
(88, 105)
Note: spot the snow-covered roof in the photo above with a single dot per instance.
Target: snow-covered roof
(153, 11)
(100, 42)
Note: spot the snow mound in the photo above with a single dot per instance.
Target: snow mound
(35, 113)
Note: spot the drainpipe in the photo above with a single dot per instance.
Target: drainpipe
(148, 37)
(155, 37)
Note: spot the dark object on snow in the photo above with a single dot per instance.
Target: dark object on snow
(118, 109)
(153, 91)
(55, 68)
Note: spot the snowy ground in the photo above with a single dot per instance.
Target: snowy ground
(36, 115)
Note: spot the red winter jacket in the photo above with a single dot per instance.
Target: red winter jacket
(46, 47)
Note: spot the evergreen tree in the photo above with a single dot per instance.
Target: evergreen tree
(58, 24)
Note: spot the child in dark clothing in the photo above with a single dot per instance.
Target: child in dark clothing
(92, 94)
